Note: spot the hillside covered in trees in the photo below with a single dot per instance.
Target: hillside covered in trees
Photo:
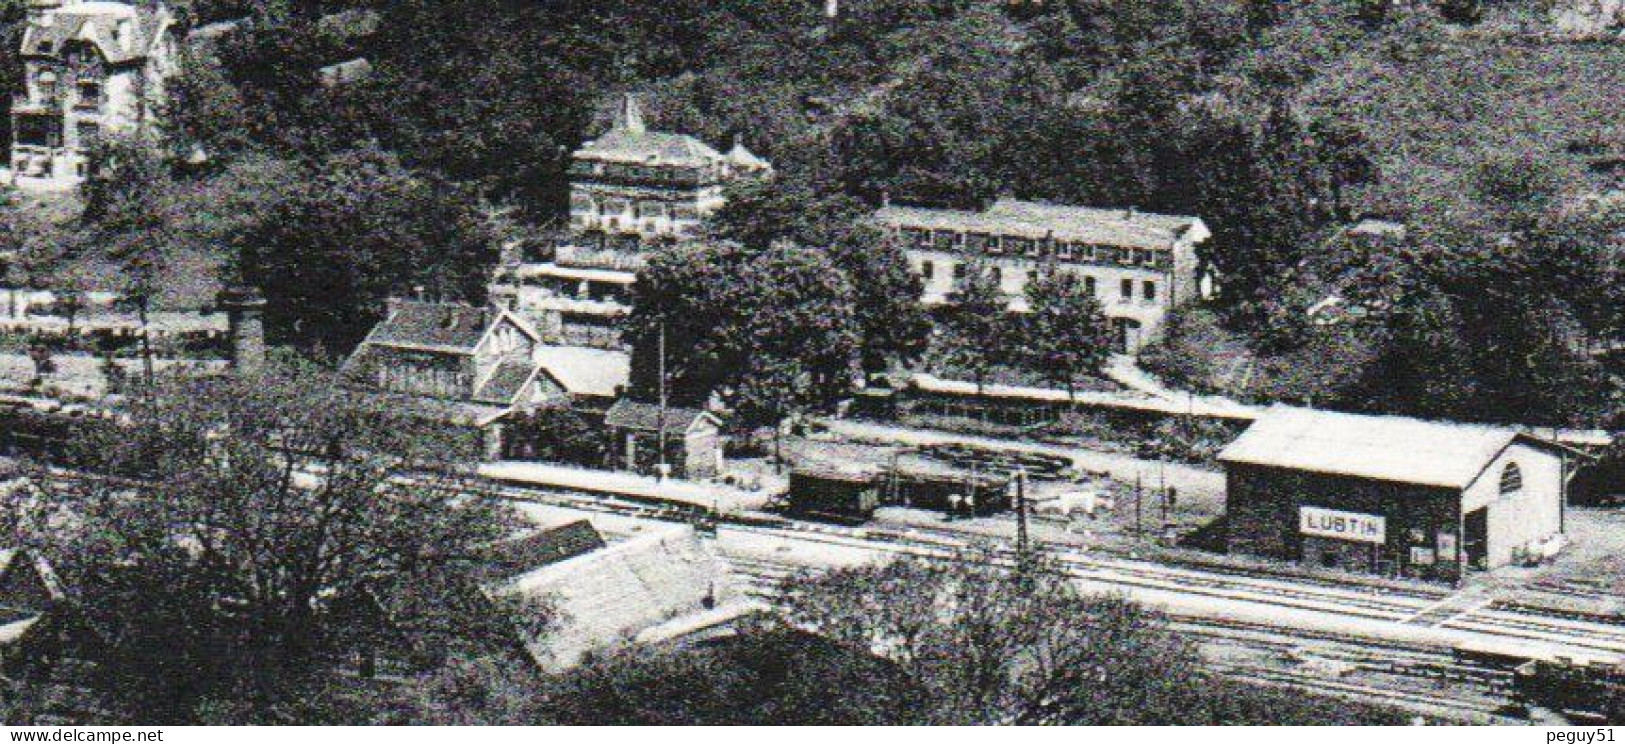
(1279, 123)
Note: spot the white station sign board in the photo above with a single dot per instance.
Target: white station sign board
(1341, 525)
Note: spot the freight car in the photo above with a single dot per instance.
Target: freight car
(847, 496)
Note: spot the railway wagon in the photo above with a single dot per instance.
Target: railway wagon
(978, 494)
(844, 496)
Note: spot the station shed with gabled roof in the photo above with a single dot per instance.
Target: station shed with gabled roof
(1391, 495)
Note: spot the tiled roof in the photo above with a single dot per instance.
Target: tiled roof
(580, 370)
(1387, 448)
(1113, 227)
(506, 382)
(98, 24)
(654, 148)
(631, 414)
(520, 555)
(433, 325)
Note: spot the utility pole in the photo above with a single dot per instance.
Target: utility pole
(660, 415)
(1022, 546)
(1138, 499)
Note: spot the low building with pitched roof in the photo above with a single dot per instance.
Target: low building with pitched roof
(1392, 495)
(654, 587)
(690, 439)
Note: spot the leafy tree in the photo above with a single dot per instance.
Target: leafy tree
(773, 331)
(769, 673)
(814, 214)
(274, 527)
(1064, 335)
(361, 228)
(128, 211)
(977, 325)
(992, 645)
(501, 116)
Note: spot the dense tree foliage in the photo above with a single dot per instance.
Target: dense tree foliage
(262, 534)
(1063, 336)
(772, 332)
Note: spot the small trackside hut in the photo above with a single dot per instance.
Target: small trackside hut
(1393, 496)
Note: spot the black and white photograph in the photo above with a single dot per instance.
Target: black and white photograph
(811, 363)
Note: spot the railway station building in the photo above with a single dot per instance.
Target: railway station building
(1393, 496)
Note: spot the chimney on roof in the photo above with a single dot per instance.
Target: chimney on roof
(629, 115)
(1129, 214)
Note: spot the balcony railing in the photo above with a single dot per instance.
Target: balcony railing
(600, 258)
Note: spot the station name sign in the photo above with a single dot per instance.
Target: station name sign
(1341, 525)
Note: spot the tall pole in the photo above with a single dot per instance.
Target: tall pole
(660, 415)
(1138, 493)
(1022, 546)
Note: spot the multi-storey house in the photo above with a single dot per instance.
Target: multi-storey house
(467, 366)
(652, 184)
(629, 188)
(1138, 265)
(91, 70)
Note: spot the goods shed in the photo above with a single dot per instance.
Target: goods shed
(1394, 496)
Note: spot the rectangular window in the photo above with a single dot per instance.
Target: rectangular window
(928, 270)
(1089, 286)
(959, 272)
(90, 93)
(1128, 289)
(1150, 292)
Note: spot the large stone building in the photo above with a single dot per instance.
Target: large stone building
(91, 70)
(1391, 495)
(629, 188)
(633, 180)
(1138, 265)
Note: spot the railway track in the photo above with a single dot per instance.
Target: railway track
(1416, 672)
(1245, 586)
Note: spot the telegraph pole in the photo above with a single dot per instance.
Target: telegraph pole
(1022, 546)
(1139, 531)
(660, 415)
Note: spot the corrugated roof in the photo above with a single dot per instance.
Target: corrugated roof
(585, 371)
(1388, 448)
(1033, 220)
(608, 596)
(631, 414)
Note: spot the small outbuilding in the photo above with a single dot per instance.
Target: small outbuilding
(1391, 495)
(689, 438)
